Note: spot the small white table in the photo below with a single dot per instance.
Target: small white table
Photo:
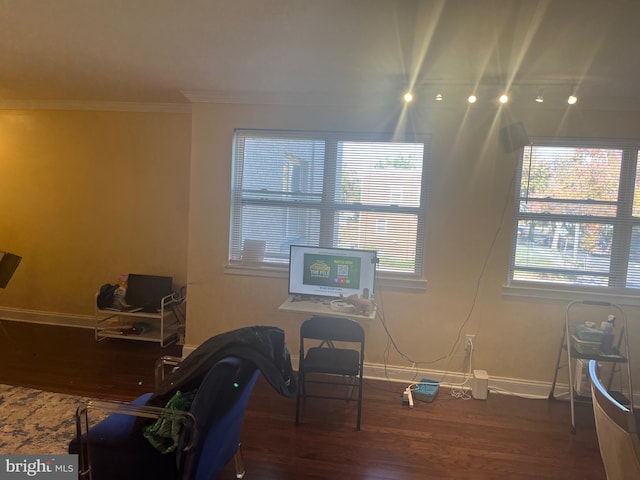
(323, 306)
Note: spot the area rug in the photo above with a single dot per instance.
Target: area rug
(36, 422)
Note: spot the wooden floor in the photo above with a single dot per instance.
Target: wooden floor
(69, 360)
(501, 438)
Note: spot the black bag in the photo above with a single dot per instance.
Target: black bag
(105, 296)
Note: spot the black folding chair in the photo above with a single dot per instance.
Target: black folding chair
(331, 362)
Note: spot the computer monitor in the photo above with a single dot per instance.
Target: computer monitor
(331, 272)
(147, 291)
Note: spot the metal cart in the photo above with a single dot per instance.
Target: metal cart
(617, 356)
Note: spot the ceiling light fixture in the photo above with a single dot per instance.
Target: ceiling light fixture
(408, 97)
(472, 98)
(540, 97)
(504, 98)
(572, 99)
(439, 97)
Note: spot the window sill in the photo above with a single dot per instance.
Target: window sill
(256, 271)
(406, 284)
(556, 293)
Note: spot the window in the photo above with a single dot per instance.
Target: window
(329, 189)
(577, 219)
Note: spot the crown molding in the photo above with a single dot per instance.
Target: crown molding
(95, 106)
(297, 99)
(254, 98)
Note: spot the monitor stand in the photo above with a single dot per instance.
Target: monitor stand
(311, 298)
(321, 306)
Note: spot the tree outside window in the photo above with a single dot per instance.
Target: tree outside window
(573, 223)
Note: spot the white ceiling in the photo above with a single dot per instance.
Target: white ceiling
(156, 51)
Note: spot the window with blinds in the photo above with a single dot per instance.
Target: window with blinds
(331, 190)
(577, 215)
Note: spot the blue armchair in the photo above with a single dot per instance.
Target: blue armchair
(208, 438)
(222, 371)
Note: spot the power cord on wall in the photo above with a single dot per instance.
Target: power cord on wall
(457, 390)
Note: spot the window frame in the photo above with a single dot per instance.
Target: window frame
(328, 206)
(622, 224)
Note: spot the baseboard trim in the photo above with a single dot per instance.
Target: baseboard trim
(48, 318)
(498, 385)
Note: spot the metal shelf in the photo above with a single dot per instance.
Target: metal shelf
(613, 358)
(162, 326)
(619, 357)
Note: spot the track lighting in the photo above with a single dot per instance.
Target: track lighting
(516, 93)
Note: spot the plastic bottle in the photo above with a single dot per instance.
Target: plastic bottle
(606, 346)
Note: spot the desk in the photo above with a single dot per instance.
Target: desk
(320, 306)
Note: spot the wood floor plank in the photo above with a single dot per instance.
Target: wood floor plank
(504, 437)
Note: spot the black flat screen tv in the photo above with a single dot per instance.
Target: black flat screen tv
(147, 291)
(8, 265)
(331, 272)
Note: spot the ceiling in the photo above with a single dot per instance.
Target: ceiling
(329, 51)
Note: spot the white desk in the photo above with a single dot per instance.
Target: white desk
(320, 306)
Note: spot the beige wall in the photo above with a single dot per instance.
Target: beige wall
(86, 196)
(471, 179)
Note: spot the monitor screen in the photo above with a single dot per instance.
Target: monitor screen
(147, 291)
(331, 272)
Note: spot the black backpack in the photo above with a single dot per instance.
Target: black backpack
(105, 296)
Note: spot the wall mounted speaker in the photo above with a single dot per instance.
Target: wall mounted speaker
(8, 264)
(513, 137)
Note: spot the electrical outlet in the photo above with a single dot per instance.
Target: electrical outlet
(468, 342)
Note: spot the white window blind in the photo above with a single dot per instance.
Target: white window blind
(577, 216)
(328, 189)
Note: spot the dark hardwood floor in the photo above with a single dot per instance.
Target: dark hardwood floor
(503, 437)
(69, 360)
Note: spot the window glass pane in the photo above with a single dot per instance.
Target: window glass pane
(636, 194)
(570, 180)
(563, 252)
(282, 166)
(633, 270)
(395, 243)
(280, 227)
(379, 173)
